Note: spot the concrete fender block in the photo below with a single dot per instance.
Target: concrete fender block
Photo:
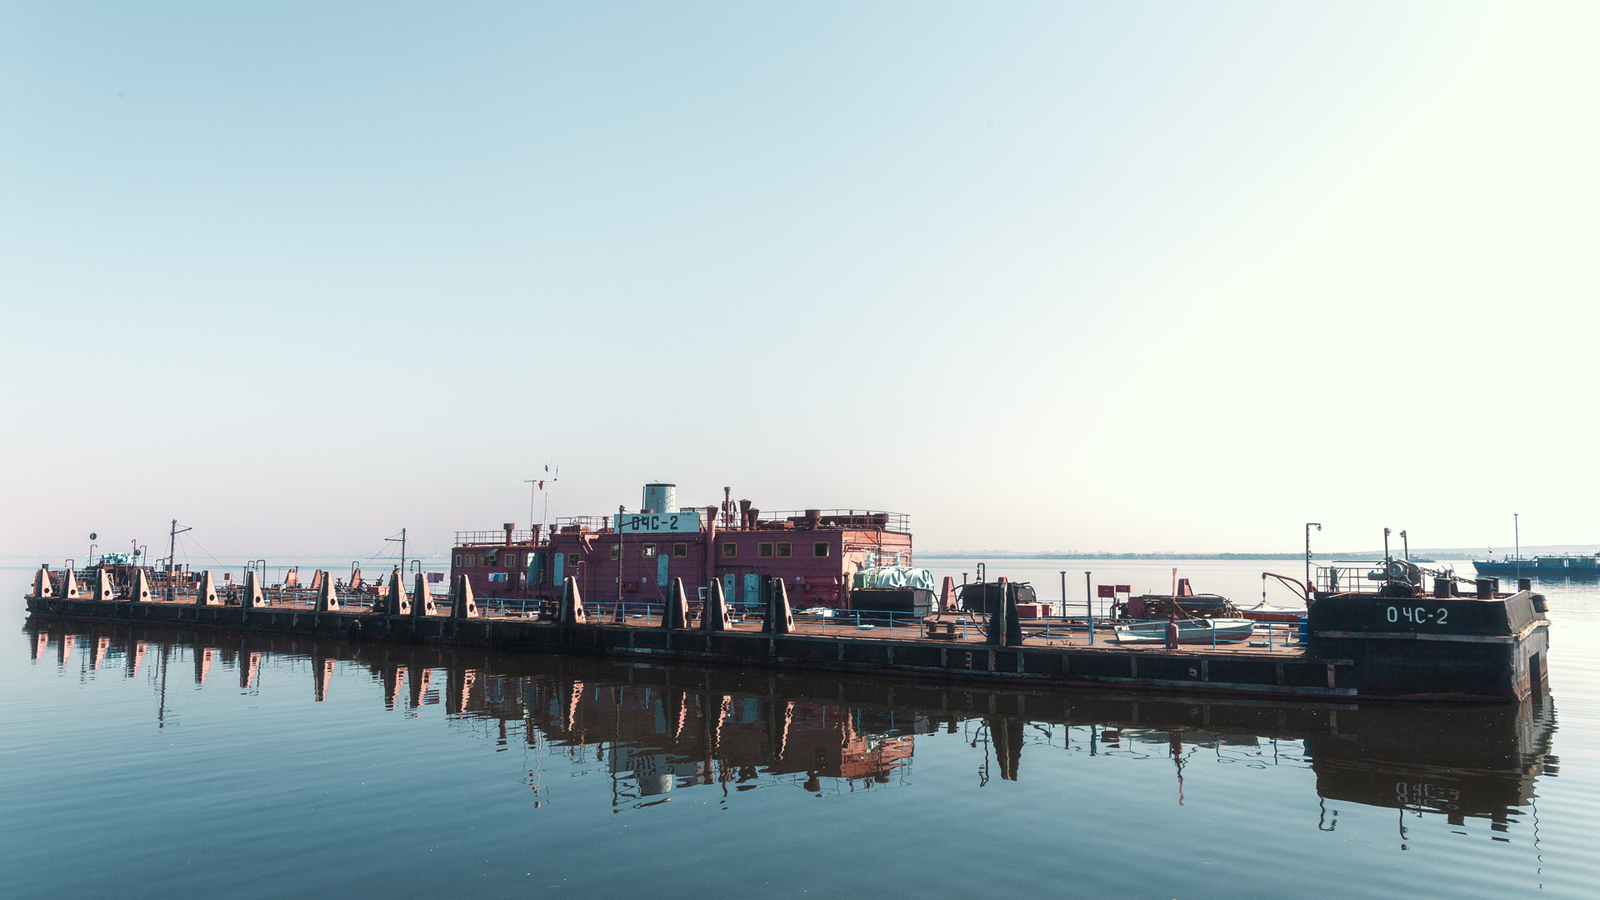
(396, 603)
(422, 598)
(254, 596)
(104, 589)
(462, 603)
(42, 588)
(138, 587)
(676, 615)
(327, 598)
(207, 594)
(780, 618)
(715, 616)
(572, 611)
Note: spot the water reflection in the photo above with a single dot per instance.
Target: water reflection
(658, 730)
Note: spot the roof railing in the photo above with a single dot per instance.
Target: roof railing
(491, 538)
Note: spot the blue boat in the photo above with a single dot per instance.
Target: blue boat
(1570, 566)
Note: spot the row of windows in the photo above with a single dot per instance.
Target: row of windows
(470, 560)
(783, 549)
(818, 550)
(730, 549)
(648, 551)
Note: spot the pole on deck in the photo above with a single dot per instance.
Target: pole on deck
(1088, 602)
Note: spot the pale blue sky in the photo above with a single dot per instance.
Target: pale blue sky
(1054, 276)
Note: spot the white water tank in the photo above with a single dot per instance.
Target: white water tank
(661, 498)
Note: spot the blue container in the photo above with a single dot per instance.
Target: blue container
(1302, 630)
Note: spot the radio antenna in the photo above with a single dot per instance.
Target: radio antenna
(539, 485)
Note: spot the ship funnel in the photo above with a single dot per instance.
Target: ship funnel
(661, 498)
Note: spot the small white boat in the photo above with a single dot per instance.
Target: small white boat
(1190, 631)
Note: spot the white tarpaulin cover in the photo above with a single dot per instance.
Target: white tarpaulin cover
(895, 577)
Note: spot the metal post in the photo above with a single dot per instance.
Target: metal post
(1516, 524)
(1308, 560)
(1063, 593)
(401, 540)
(172, 558)
(1388, 561)
(1088, 602)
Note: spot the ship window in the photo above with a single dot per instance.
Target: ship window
(819, 549)
(511, 560)
(763, 549)
(572, 560)
(616, 551)
(730, 549)
(680, 550)
(472, 560)
(785, 549)
(458, 560)
(649, 551)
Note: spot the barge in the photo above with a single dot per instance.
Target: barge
(1483, 649)
(1565, 566)
(712, 586)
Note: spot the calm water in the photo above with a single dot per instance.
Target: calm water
(154, 762)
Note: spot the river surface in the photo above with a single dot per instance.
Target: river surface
(160, 762)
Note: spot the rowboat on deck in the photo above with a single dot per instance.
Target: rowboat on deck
(1190, 631)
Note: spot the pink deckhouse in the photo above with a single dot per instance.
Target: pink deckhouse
(631, 557)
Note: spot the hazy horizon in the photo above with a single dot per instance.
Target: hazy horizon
(1148, 275)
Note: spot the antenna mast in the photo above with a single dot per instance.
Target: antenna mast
(533, 492)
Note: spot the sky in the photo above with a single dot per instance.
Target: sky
(1121, 277)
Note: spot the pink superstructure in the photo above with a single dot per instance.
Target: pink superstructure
(632, 557)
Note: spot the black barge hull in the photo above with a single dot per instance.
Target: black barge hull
(1333, 665)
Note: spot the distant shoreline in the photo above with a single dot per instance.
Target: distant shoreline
(1012, 554)
(1368, 556)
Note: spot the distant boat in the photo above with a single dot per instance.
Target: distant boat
(1528, 567)
(1190, 631)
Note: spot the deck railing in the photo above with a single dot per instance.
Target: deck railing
(491, 538)
(963, 626)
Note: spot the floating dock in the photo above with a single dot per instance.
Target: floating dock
(1357, 647)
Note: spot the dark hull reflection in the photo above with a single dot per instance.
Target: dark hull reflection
(663, 728)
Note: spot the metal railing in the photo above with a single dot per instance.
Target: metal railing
(590, 523)
(798, 519)
(183, 590)
(837, 518)
(491, 538)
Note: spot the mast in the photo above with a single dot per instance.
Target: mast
(402, 541)
(172, 554)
